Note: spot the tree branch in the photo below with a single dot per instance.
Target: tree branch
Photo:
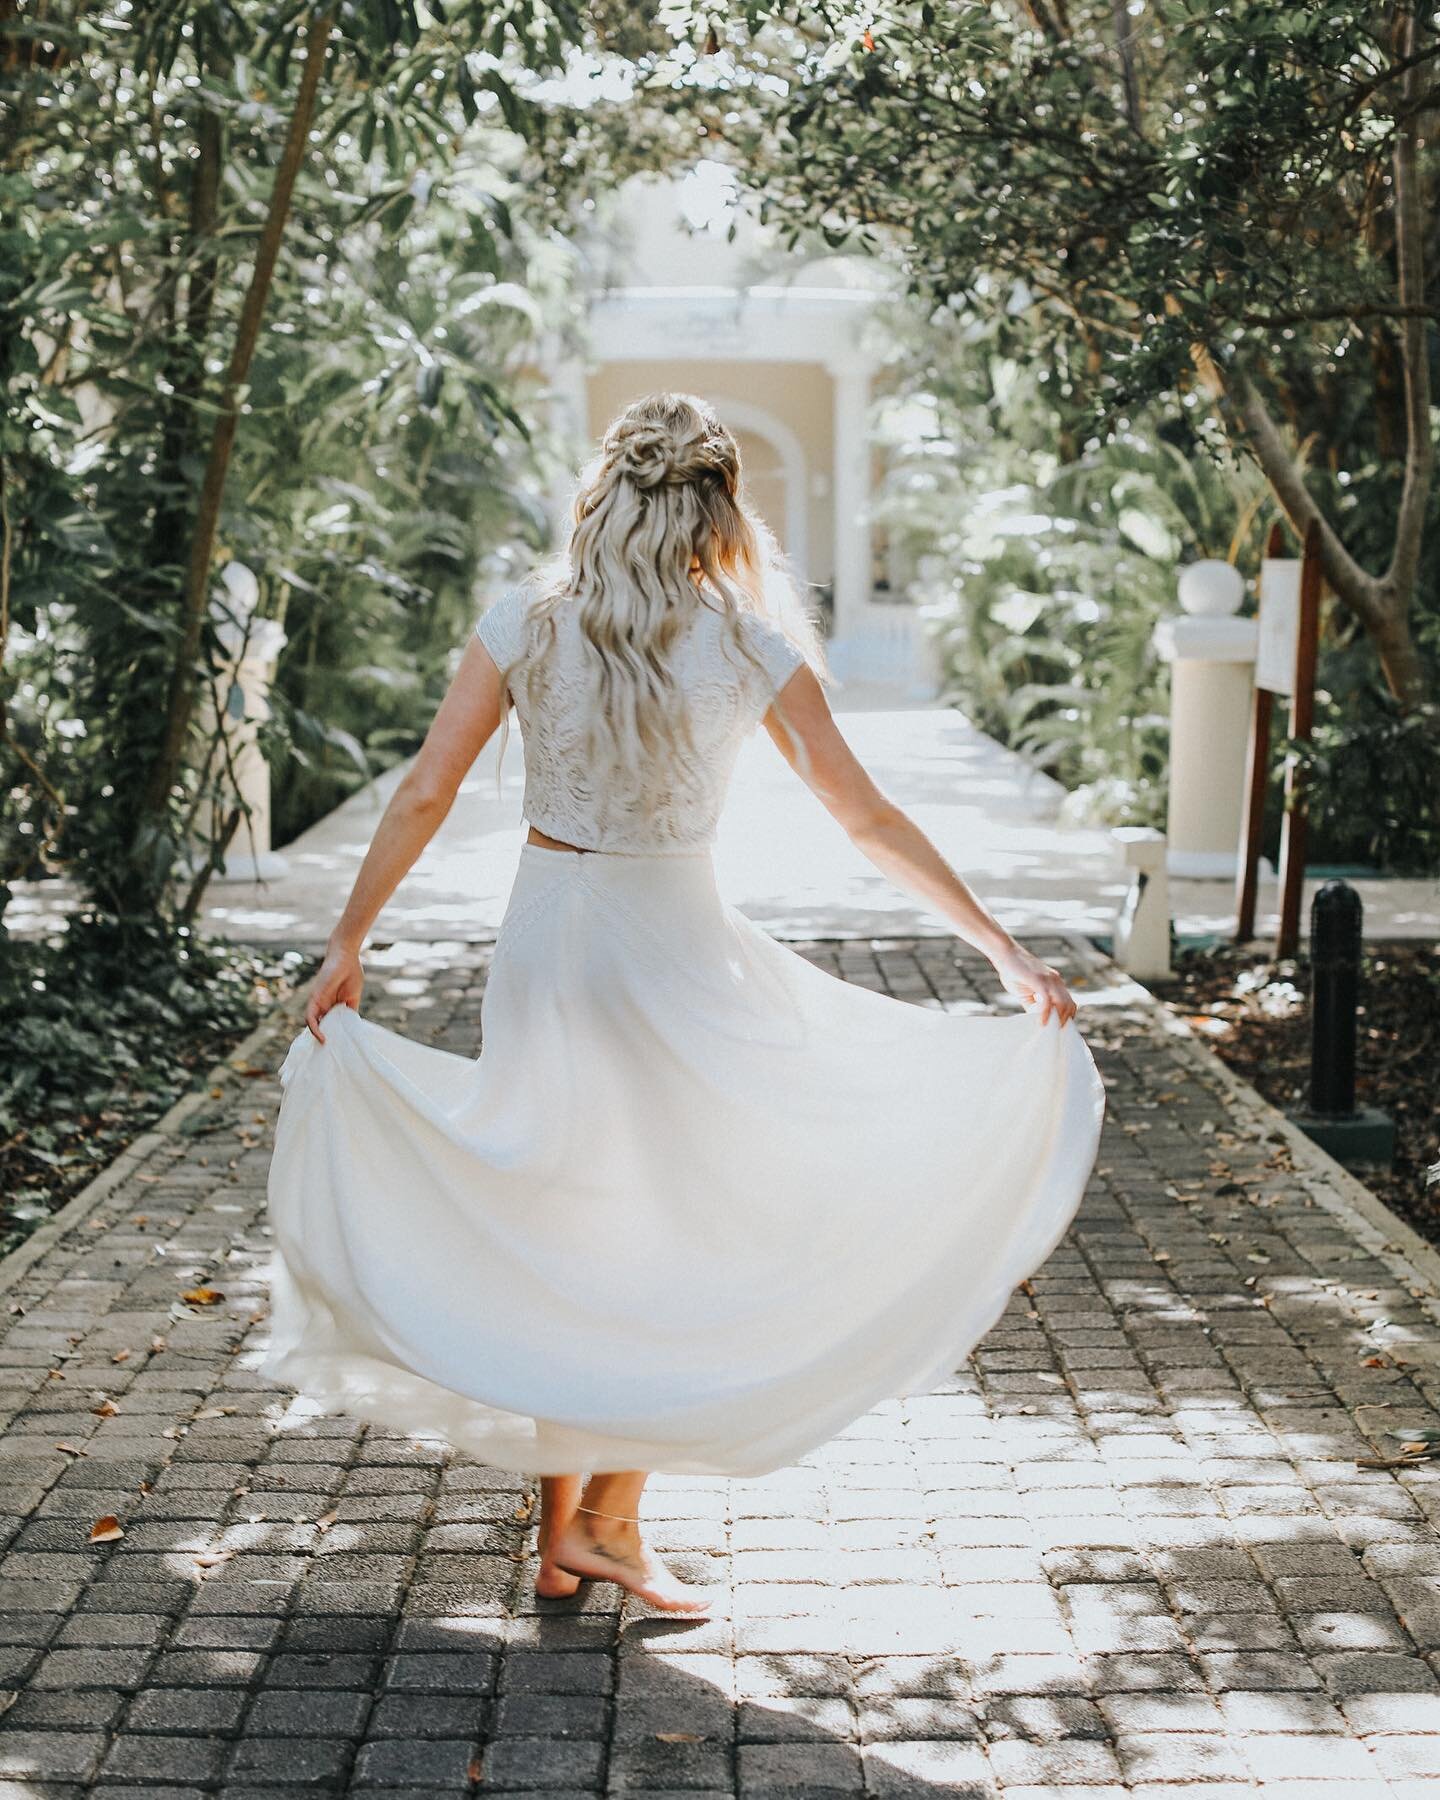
(1399, 579)
(1358, 589)
(1125, 33)
(181, 698)
(1321, 315)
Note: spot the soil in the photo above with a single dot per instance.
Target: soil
(80, 1084)
(1254, 1014)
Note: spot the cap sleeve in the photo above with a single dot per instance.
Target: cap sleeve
(501, 628)
(779, 657)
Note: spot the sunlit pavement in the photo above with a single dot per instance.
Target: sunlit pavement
(1126, 1550)
(780, 857)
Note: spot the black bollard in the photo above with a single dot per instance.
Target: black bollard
(1364, 1136)
(1336, 927)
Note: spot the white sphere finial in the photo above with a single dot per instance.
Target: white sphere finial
(1211, 589)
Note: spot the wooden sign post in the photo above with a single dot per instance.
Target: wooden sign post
(1302, 717)
(1257, 769)
(1285, 665)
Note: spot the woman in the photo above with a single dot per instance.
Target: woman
(698, 1204)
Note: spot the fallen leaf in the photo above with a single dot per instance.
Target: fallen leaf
(107, 1409)
(202, 1296)
(72, 1450)
(326, 1520)
(120, 1356)
(214, 1412)
(472, 1773)
(106, 1530)
(212, 1559)
(158, 1344)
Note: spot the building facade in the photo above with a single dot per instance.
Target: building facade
(688, 295)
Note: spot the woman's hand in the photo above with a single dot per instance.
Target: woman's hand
(338, 984)
(1036, 984)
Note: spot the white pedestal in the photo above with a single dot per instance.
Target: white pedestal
(1211, 683)
(1142, 930)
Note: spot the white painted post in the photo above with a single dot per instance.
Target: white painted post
(1212, 658)
(1142, 930)
(851, 379)
(251, 648)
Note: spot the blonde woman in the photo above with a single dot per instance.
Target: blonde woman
(698, 1204)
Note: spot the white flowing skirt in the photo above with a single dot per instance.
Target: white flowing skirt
(695, 1207)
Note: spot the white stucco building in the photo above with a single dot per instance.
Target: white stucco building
(783, 348)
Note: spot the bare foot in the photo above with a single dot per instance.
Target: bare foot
(554, 1583)
(622, 1556)
(556, 1516)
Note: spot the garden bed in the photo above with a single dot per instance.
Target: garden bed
(1253, 1012)
(95, 1058)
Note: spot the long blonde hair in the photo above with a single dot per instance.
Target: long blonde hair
(662, 531)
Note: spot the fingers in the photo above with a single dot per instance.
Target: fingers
(314, 1013)
(1055, 1000)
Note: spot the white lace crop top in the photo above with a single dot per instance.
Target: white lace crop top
(726, 701)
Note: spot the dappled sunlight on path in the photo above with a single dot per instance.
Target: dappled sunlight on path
(779, 856)
(1125, 1548)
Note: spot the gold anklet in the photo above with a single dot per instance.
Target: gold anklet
(622, 1517)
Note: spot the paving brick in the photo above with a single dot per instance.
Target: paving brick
(1125, 1550)
(61, 1755)
(800, 1768)
(165, 1759)
(538, 1763)
(174, 1709)
(292, 1761)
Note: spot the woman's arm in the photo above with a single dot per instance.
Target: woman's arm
(898, 847)
(468, 716)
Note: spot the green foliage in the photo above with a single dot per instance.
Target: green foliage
(384, 454)
(1187, 219)
(1045, 577)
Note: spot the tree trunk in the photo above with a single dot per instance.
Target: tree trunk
(181, 698)
(1399, 656)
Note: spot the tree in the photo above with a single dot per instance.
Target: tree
(1175, 201)
(152, 165)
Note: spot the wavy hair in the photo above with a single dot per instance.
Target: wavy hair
(662, 531)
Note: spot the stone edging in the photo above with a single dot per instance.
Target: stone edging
(24, 1256)
(1380, 1231)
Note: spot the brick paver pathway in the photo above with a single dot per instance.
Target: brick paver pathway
(1127, 1551)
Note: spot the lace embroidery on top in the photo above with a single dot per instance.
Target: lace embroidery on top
(726, 702)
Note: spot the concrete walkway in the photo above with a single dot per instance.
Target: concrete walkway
(1125, 1551)
(781, 858)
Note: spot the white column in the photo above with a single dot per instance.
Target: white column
(250, 647)
(570, 417)
(852, 495)
(1212, 668)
